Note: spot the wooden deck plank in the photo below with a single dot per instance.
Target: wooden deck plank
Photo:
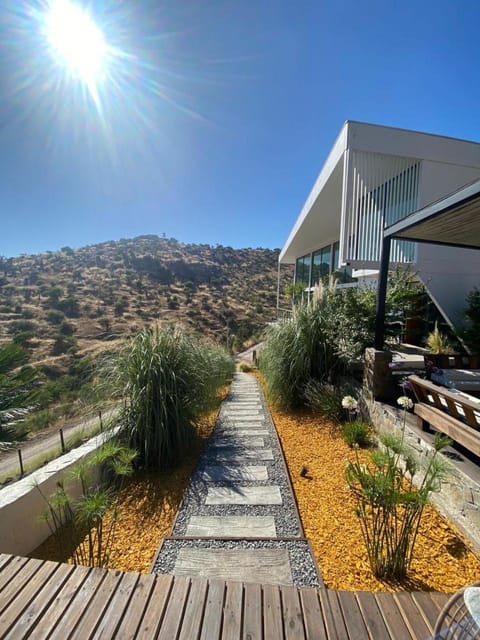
(79, 603)
(212, 619)
(413, 616)
(155, 609)
(352, 616)
(440, 599)
(192, 619)
(272, 613)
(292, 614)
(37, 603)
(5, 558)
(429, 607)
(332, 613)
(9, 570)
(45, 599)
(232, 611)
(88, 623)
(392, 616)
(372, 616)
(312, 615)
(173, 617)
(62, 601)
(116, 607)
(252, 612)
(135, 608)
(13, 612)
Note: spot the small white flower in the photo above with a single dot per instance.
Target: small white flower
(349, 403)
(405, 402)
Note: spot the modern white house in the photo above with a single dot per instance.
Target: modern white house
(373, 177)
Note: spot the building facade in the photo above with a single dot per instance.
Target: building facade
(373, 177)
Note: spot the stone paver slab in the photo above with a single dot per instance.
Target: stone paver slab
(256, 419)
(229, 455)
(233, 424)
(232, 526)
(256, 404)
(223, 473)
(241, 442)
(242, 412)
(271, 566)
(246, 430)
(244, 495)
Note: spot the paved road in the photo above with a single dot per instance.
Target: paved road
(44, 443)
(247, 355)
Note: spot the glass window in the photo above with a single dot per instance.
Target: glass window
(321, 264)
(336, 256)
(302, 270)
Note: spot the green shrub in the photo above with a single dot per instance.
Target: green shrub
(54, 316)
(64, 344)
(321, 341)
(168, 380)
(245, 367)
(471, 334)
(23, 338)
(356, 433)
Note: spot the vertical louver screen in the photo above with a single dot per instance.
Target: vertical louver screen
(380, 191)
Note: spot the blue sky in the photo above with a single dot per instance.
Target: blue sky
(219, 121)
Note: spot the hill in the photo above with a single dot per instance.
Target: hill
(73, 304)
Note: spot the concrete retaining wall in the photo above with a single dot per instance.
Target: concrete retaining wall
(22, 505)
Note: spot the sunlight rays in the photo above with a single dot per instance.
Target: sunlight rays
(76, 42)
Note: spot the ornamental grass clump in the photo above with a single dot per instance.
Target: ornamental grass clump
(320, 341)
(388, 504)
(168, 380)
(324, 399)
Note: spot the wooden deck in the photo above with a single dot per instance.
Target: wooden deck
(44, 599)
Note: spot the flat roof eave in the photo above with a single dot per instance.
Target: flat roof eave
(334, 158)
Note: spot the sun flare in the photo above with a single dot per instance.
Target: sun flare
(76, 42)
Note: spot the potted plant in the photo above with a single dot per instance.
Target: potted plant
(439, 349)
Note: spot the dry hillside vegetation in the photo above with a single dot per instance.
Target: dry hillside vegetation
(68, 304)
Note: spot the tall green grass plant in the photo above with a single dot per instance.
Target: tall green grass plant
(168, 380)
(320, 341)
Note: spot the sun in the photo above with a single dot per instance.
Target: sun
(76, 42)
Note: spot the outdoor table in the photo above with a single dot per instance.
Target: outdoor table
(462, 379)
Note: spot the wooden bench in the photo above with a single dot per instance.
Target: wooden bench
(451, 412)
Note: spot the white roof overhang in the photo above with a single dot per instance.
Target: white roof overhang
(319, 221)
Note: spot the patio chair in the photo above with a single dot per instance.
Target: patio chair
(460, 617)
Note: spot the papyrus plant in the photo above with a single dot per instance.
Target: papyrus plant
(388, 503)
(92, 517)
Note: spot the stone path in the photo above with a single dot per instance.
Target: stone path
(238, 519)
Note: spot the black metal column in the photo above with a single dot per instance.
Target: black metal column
(382, 294)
